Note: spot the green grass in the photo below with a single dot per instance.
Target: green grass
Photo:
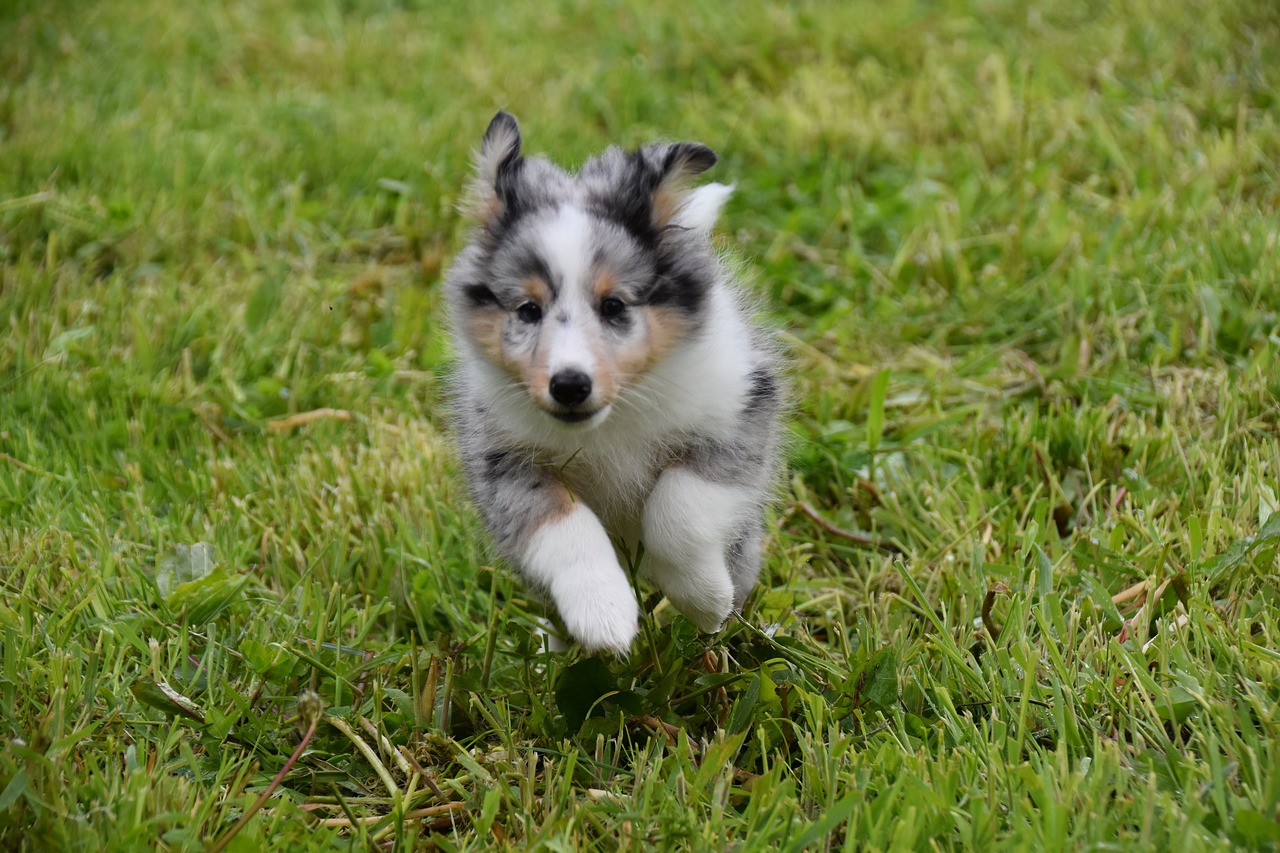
(1025, 259)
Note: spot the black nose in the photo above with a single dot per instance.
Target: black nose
(570, 387)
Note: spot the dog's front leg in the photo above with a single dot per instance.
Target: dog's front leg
(689, 524)
(572, 558)
(561, 549)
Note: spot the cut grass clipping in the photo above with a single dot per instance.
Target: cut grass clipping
(1021, 588)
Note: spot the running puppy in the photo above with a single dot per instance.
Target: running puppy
(610, 384)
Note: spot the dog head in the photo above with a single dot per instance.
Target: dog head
(575, 286)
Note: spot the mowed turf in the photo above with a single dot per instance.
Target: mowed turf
(1022, 582)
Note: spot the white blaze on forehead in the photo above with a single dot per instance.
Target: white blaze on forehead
(566, 247)
(570, 326)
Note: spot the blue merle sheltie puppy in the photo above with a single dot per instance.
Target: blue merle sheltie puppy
(610, 387)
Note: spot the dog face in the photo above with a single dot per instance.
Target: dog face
(575, 286)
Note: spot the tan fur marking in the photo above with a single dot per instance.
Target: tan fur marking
(537, 379)
(667, 202)
(537, 290)
(532, 372)
(606, 377)
(604, 285)
(486, 330)
(561, 504)
(665, 328)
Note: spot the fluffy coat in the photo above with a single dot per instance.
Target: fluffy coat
(610, 386)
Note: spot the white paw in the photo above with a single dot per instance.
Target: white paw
(703, 594)
(708, 620)
(600, 619)
(574, 560)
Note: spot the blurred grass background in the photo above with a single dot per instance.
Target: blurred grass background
(1024, 257)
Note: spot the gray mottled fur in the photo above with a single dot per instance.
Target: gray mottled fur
(515, 463)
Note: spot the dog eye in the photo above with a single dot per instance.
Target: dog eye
(529, 312)
(612, 307)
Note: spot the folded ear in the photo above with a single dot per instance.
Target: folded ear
(672, 201)
(685, 160)
(497, 167)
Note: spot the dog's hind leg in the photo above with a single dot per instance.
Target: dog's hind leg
(689, 524)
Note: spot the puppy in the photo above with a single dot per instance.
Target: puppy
(610, 386)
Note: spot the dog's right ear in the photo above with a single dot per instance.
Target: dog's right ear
(498, 166)
(673, 166)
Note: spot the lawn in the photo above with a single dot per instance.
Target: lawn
(1022, 587)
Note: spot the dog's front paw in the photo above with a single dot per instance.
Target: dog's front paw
(703, 594)
(573, 559)
(602, 617)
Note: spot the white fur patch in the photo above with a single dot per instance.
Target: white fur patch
(688, 523)
(568, 344)
(574, 560)
(701, 207)
(566, 245)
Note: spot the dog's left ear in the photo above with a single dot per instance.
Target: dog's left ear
(497, 170)
(673, 202)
